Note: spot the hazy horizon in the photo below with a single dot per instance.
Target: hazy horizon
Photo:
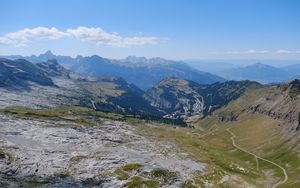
(192, 62)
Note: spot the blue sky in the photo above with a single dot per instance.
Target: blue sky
(174, 29)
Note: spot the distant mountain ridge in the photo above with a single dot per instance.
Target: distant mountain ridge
(265, 72)
(258, 72)
(293, 70)
(146, 72)
(140, 71)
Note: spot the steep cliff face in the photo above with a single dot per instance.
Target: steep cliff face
(281, 102)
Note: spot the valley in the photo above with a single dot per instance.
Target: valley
(204, 156)
(74, 130)
(150, 94)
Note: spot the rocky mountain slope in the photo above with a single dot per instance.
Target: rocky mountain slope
(48, 84)
(280, 102)
(114, 94)
(188, 100)
(53, 69)
(263, 125)
(20, 72)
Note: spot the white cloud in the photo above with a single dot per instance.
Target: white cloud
(282, 51)
(101, 37)
(4, 40)
(26, 35)
(256, 51)
(95, 35)
(249, 52)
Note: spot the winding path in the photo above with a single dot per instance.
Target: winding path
(257, 157)
(208, 133)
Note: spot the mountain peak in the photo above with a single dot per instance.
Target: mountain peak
(47, 55)
(48, 52)
(259, 64)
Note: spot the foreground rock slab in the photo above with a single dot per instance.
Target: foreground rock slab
(49, 153)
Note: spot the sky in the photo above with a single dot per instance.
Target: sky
(173, 29)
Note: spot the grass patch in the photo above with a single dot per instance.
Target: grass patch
(28, 182)
(10, 156)
(103, 89)
(121, 175)
(188, 184)
(215, 150)
(78, 158)
(76, 114)
(2, 154)
(57, 114)
(131, 166)
(7, 155)
(139, 182)
(163, 174)
(62, 175)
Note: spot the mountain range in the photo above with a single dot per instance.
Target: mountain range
(142, 72)
(171, 98)
(258, 72)
(145, 73)
(267, 71)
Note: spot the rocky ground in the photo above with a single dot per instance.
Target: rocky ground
(66, 92)
(55, 153)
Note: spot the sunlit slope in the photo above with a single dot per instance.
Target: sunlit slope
(264, 122)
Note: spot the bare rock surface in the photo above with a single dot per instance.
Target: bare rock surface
(67, 92)
(62, 154)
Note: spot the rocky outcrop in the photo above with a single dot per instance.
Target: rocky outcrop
(294, 88)
(280, 102)
(228, 117)
(298, 126)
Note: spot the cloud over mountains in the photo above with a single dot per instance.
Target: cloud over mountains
(93, 34)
